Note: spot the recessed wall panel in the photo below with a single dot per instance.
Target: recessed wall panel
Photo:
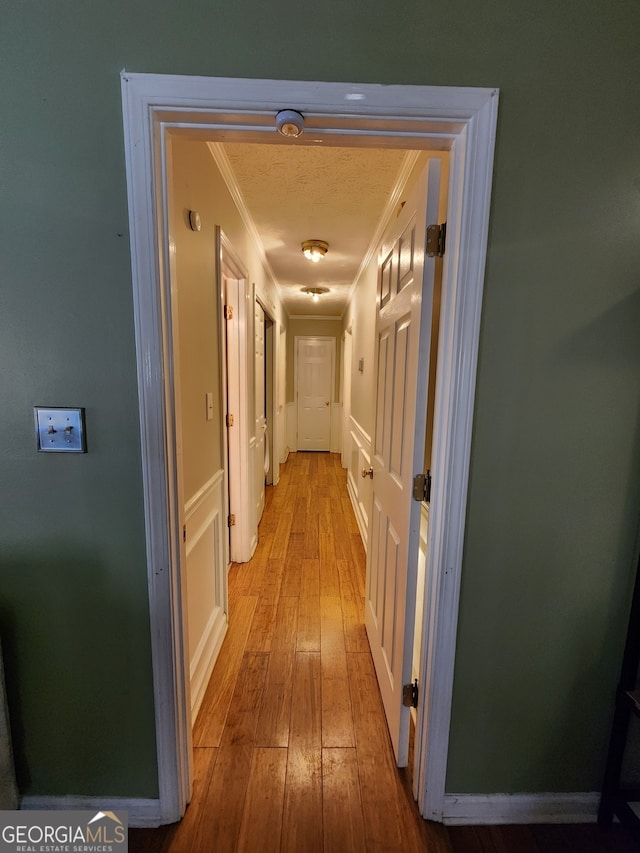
(406, 249)
(399, 401)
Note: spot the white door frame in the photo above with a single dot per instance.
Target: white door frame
(273, 409)
(296, 340)
(460, 120)
(242, 536)
(345, 394)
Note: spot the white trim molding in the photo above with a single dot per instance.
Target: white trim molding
(229, 177)
(204, 659)
(358, 487)
(291, 427)
(141, 812)
(237, 357)
(333, 317)
(437, 118)
(461, 809)
(196, 500)
(336, 428)
(388, 214)
(205, 525)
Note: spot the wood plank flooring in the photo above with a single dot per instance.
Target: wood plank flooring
(291, 746)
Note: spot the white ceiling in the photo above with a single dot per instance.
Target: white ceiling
(296, 192)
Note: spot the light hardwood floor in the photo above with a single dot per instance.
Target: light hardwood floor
(291, 748)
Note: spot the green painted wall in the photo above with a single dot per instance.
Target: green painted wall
(555, 489)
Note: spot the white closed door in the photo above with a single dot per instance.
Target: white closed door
(403, 327)
(315, 392)
(260, 409)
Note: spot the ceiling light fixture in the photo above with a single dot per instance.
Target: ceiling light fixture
(315, 292)
(315, 250)
(289, 123)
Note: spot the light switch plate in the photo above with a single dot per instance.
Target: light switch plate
(60, 430)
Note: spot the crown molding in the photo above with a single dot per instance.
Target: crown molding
(395, 196)
(229, 177)
(335, 317)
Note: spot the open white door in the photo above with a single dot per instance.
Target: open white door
(315, 384)
(403, 326)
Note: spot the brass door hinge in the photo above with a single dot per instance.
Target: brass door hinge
(228, 312)
(231, 520)
(229, 420)
(410, 695)
(422, 487)
(436, 240)
(184, 532)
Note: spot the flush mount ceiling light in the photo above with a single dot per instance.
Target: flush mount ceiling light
(315, 292)
(289, 123)
(315, 250)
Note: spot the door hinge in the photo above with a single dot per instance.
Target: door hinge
(410, 695)
(436, 240)
(228, 312)
(229, 420)
(231, 521)
(422, 487)
(184, 532)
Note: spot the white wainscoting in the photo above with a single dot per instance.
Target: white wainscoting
(292, 427)
(359, 487)
(206, 583)
(472, 809)
(336, 428)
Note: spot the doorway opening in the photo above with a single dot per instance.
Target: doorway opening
(461, 121)
(314, 384)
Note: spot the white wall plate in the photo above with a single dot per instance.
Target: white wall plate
(60, 430)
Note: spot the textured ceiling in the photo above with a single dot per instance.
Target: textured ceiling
(300, 192)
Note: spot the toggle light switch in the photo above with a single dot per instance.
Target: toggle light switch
(209, 405)
(60, 430)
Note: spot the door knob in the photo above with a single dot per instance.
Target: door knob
(367, 472)
(327, 403)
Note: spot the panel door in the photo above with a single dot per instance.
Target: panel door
(403, 327)
(315, 392)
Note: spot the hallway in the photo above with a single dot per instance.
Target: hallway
(291, 745)
(291, 749)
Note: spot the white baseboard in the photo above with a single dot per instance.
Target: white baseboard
(205, 657)
(141, 812)
(471, 809)
(335, 445)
